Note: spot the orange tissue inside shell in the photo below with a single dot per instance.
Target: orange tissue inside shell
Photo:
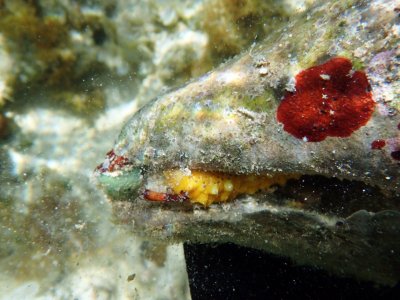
(207, 188)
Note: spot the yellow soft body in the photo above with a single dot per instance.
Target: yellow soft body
(209, 187)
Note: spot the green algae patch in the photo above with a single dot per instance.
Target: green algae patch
(317, 51)
(260, 104)
(358, 63)
(169, 116)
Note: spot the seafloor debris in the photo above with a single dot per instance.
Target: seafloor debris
(301, 102)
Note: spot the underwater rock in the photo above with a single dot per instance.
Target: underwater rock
(4, 127)
(310, 101)
(77, 50)
(85, 47)
(6, 75)
(56, 226)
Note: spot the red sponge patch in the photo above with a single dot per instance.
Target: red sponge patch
(330, 100)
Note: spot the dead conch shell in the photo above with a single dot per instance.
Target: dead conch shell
(292, 147)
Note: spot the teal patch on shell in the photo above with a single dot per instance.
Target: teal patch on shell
(124, 186)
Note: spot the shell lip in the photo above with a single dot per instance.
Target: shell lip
(128, 182)
(313, 192)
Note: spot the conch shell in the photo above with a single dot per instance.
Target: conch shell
(318, 100)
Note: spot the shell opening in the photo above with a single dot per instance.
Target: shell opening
(207, 188)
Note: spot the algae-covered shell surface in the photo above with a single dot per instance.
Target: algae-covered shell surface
(315, 104)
